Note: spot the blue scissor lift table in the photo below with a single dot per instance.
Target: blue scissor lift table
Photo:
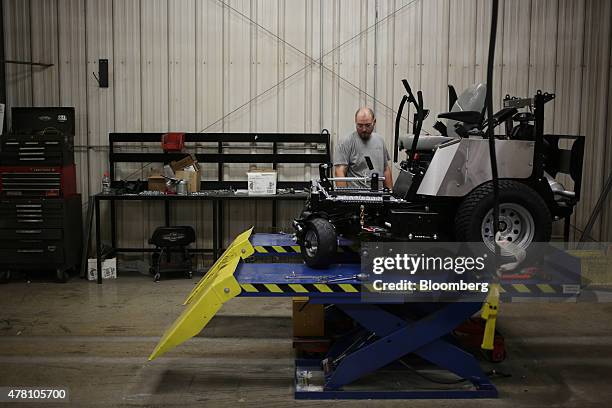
(390, 337)
(367, 362)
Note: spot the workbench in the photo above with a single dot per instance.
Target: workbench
(315, 149)
(213, 197)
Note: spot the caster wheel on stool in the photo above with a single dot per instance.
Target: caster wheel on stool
(5, 276)
(189, 275)
(62, 275)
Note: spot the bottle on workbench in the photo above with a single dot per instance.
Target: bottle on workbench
(106, 183)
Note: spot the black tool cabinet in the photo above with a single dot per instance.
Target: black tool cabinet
(40, 233)
(40, 214)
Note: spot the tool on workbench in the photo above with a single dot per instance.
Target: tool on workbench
(359, 276)
(321, 278)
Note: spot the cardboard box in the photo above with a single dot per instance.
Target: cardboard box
(109, 269)
(261, 182)
(308, 318)
(156, 183)
(192, 178)
(184, 163)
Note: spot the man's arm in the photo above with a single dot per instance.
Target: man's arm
(388, 178)
(341, 170)
(387, 172)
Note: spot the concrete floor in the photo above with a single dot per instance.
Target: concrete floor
(95, 339)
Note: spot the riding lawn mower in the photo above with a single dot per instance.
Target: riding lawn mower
(445, 189)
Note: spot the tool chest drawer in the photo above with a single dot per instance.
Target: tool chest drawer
(17, 183)
(32, 243)
(27, 255)
(30, 150)
(25, 213)
(30, 234)
(38, 205)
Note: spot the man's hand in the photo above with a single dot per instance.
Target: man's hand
(341, 170)
(388, 178)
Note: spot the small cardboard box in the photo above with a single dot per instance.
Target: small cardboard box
(184, 163)
(156, 183)
(261, 182)
(109, 269)
(192, 178)
(308, 318)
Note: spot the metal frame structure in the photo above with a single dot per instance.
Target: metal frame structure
(216, 199)
(223, 141)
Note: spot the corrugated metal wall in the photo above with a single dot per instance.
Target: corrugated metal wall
(219, 65)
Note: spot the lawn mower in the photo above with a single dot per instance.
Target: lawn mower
(445, 189)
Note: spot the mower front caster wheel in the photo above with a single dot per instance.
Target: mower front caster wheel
(320, 243)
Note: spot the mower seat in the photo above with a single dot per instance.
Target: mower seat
(467, 117)
(425, 143)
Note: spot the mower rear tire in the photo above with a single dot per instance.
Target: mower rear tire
(524, 215)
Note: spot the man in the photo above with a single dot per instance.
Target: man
(350, 154)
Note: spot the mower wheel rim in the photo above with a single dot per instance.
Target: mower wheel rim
(518, 226)
(311, 243)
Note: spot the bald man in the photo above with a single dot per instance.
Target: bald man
(350, 153)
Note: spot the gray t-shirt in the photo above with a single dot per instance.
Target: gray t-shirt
(352, 151)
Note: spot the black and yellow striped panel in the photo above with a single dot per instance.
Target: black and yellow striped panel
(299, 288)
(290, 249)
(534, 289)
(305, 288)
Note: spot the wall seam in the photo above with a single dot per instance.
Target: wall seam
(87, 129)
(32, 102)
(59, 62)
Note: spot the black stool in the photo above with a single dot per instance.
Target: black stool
(171, 253)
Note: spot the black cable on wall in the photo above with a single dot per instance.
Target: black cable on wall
(2, 71)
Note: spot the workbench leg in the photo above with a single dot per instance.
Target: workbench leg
(274, 214)
(166, 213)
(220, 228)
(98, 243)
(113, 216)
(215, 236)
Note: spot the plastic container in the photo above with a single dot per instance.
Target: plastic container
(106, 184)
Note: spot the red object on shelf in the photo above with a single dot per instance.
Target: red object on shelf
(173, 142)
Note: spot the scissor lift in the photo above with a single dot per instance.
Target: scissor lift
(379, 341)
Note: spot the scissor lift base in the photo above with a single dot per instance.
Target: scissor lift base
(392, 383)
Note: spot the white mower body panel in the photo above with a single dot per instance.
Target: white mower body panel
(457, 168)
